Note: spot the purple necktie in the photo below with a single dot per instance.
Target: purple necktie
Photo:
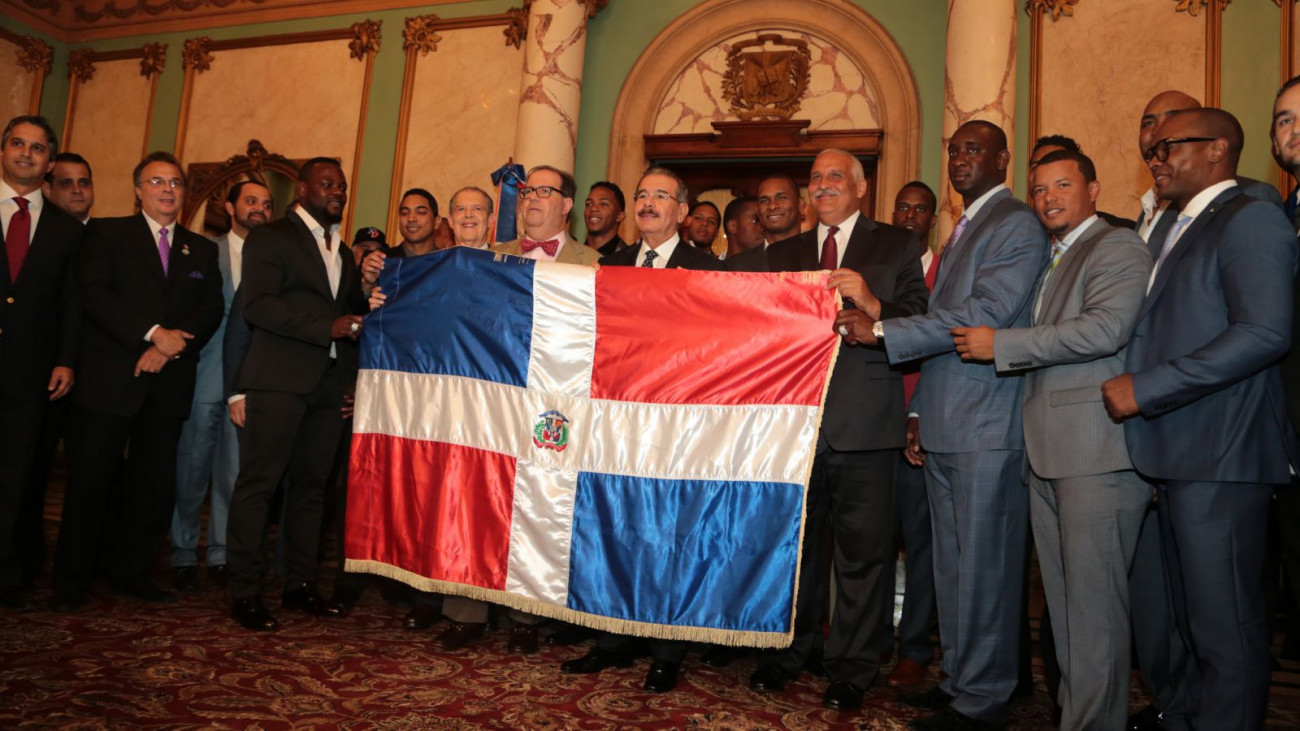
(952, 241)
(164, 249)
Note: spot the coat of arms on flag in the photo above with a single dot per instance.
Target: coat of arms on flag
(627, 449)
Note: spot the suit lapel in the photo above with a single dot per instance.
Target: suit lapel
(309, 248)
(1067, 271)
(973, 230)
(149, 247)
(1185, 242)
(858, 249)
(226, 266)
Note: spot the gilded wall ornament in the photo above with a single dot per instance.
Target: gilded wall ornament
(195, 54)
(1054, 8)
(1193, 7)
(366, 36)
(155, 58)
(81, 67)
(516, 31)
(420, 34)
(35, 56)
(767, 84)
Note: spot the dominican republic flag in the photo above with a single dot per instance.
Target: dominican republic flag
(623, 448)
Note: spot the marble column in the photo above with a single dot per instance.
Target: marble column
(550, 92)
(979, 81)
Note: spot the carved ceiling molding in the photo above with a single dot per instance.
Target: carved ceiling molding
(1194, 7)
(366, 37)
(1054, 8)
(420, 34)
(35, 56)
(516, 31)
(144, 7)
(196, 54)
(81, 65)
(155, 58)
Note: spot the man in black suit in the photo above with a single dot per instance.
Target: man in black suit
(39, 315)
(301, 295)
(660, 204)
(877, 269)
(152, 296)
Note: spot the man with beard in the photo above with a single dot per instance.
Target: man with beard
(70, 185)
(701, 226)
(302, 298)
(208, 451)
(603, 212)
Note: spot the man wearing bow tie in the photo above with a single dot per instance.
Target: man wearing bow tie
(152, 296)
(547, 198)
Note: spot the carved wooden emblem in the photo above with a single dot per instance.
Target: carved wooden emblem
(196, 54)
(154, 59)
(35, 56)
(420, 33)
(366, 37)
(767, 76)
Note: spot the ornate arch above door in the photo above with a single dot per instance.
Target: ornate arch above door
(854, 33)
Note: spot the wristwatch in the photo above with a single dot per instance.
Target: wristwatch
(878, 330)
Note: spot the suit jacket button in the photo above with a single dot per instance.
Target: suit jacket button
(10, 300)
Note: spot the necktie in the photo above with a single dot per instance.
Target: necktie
(1172, 236)
(1058, 250)
(830, 251)
(18, 238)
(549, 246)
(931, 272)
(164, 249)
(952, 239)
(329, 240)
(650, 257)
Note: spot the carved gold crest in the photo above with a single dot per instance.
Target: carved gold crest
(767, 76)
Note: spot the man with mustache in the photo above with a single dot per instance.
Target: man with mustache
(151, 292)
(208, 451)
(877, 270)
(302, 298)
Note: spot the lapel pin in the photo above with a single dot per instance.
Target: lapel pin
(185, 249)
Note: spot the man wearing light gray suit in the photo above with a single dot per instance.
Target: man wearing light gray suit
(1086, 503)
(1205, 408)
(970, 429)
(208, 452)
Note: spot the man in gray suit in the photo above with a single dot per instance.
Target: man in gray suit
(970, 430)
(1086, 503)
(208, 451)
(1207, 421)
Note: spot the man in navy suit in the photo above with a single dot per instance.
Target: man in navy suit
(208, 452)
(970, 429)
(39, 315)
(1206, 412)
(152, 296)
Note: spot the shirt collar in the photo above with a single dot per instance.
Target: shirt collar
(1074, 235)
(1201, 200)
(34, 198)
(974, 208)
(663, 251)
(844, 227)
(315, 227)
(155, 227)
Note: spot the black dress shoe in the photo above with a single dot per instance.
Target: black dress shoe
(843, 697)
(17, 599)
(1147, 719)
(145, 590)
(595, 661)
(662, 677)
(66, 601)
(523, 639)
(570, 634)
(769, 679)
(421, 617)
(251, 614)
(720, 656)
(185, 579)
(304, 598)
(219, 574)
(933, 699)
(345, 597)
(949, 719)
(460, 634)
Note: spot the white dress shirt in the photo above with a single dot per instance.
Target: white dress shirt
(330, 255)
(663, 252)
(35, 201)
(236, 244)
(841, 236)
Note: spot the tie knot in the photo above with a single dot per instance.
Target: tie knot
(162, 234)
(22, 202)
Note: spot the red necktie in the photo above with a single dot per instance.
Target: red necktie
(550, 246)
(932, 273)
(18, 239)
(831, 252)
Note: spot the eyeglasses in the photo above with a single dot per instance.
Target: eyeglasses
(541, 191)
(642, 196)
(175, 183)
(1160, 150)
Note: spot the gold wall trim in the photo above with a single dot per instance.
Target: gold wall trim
(859, 36)
(1213, 50)
(420, 37)
(81, 70)
(36, 57)
(1285, 181)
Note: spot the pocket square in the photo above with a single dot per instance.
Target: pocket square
(196, 274)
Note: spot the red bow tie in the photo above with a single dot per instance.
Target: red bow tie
(550, 246)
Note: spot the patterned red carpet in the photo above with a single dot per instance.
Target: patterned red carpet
(123, 664)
